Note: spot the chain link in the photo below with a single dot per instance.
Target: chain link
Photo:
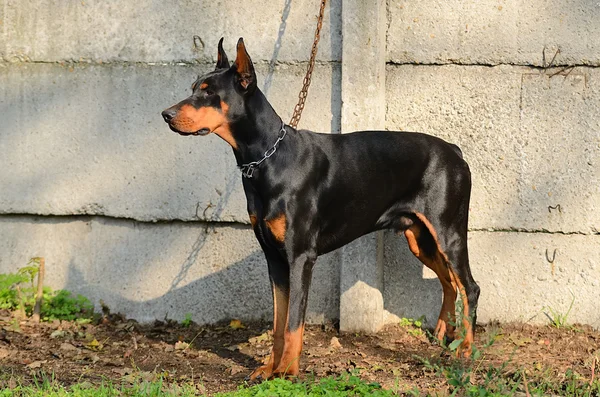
(311, 64)
(249, 168)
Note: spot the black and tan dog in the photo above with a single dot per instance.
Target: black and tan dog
(311, 193)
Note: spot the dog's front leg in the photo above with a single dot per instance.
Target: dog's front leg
(279, 275)
(300, 278)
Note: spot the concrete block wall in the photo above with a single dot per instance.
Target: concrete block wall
(155, 224)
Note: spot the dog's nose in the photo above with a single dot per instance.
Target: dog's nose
(169, 114)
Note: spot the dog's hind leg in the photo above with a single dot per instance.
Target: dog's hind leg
(460, 272)
(422, 242)
(452, 268)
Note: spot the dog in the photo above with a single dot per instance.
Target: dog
(310, 193)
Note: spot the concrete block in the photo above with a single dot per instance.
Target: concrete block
(158, 31)
(363, 107)
(363, 69)
(361, 285)
(149, 271)
(531, 140)
(494, 32)
(90, 140)
(559, 149)
(517, 281)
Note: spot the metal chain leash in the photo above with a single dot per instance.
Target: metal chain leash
(311, 64)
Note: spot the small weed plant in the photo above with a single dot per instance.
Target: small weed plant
(413, 327)
(17, 292)
(558, 319)
(187, 321)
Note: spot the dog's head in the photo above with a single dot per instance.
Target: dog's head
(217, 98)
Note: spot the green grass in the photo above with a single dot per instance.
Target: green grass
(49, 388)
(462, 380)
(345, 385)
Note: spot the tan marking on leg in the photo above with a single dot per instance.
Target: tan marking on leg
(281, 302)
(448, 310)
(446, 269)
(465, 347)
(437, 263)
(289, 365)
(277, 226)
(280, 313)
(412, 235)
(253, 220)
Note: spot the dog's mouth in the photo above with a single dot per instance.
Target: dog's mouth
(200, 132)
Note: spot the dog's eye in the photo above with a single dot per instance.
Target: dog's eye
(208, 93)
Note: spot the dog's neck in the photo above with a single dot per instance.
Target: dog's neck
(257, 131)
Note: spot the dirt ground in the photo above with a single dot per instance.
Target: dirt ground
(217, 358)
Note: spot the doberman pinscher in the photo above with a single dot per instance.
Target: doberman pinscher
(310, 193)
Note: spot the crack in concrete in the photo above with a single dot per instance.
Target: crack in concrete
(555, 66)
(87, 217)
(532, 231)
(95, 62)
(209, 223)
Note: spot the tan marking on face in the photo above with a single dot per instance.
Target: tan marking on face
(224, 132)
(189, 120)
(203, 86)
(224, 107)
(277, 226)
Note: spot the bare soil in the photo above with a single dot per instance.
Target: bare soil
(217, 358)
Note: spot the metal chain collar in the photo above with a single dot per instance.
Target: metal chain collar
(249, 168)
(311, 64)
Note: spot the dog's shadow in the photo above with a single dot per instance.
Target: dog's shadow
(242, 291)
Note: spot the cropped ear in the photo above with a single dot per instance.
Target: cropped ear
(222, 61)
(244, 68)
